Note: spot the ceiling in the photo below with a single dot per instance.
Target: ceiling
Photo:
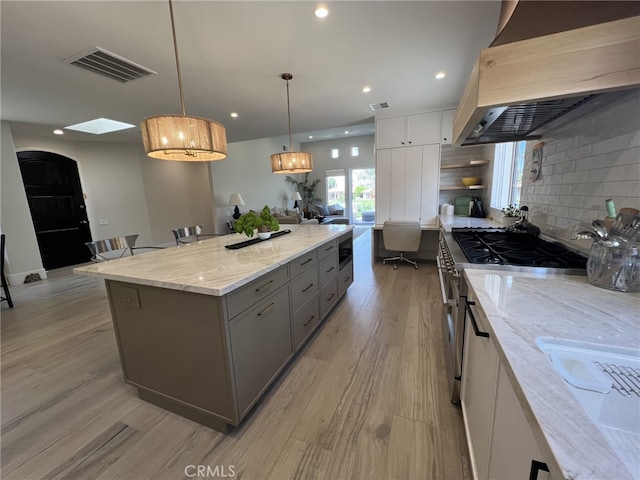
(231, 56)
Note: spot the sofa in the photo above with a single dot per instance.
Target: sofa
(332, 214)
(286, 216)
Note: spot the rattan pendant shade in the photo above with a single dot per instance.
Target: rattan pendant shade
(180, 137)
(291, 162)
(183, 138)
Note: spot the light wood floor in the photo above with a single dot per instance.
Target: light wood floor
(366, 399)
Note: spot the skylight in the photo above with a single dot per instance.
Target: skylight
(100, 126)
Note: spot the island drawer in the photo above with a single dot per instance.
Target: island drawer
(327, 248)
(304, 287)
(328, 297)
(328, 268)
(303, 263)
(305, 321)
(345, 278)
(254, 291)
(260, 345)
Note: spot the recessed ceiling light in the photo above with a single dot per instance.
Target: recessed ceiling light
(100, 126)
(310, 136)
(234, 115)
(440, 75)
(321, 11)
(58, 131)
(366, 89)
(346, 132)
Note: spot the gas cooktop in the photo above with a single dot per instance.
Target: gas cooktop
(497, 247)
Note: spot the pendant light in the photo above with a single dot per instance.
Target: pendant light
(181, 137)
(291, 162)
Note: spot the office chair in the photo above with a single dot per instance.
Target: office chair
(401, 237)
(186, 235)
(5, 286)
(123, 244)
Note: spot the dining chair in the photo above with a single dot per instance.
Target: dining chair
(5, 285)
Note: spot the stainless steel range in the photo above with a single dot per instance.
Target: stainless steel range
(490, 249)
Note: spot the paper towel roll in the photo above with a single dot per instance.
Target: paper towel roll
(449, 210)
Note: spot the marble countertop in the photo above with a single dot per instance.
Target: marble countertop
(447, 222)
(208, 267)
(521, 307)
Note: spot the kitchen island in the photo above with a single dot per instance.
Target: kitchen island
(203, 330)
(518, 308)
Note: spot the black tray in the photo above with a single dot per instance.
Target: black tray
(246, 243)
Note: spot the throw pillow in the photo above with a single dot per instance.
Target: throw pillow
(323, 211)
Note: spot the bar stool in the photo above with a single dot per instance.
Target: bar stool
(185, 235)
(123, 244)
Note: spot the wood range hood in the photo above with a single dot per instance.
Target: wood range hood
(516, 89)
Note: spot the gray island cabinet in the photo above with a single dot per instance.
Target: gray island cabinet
(203, 330)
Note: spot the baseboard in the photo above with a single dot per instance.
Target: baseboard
(18, 278)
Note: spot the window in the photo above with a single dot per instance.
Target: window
(335, 153)
(508, 167)
(335, 182)
(355, 151)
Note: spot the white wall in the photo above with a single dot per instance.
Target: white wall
(322, 161)
(22, 253)
(134, 193)
(177, 194)
(247, 171)
(586, 162)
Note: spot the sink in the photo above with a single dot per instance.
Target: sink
(606, 382)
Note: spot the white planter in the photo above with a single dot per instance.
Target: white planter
(264, 235)
(507, 221)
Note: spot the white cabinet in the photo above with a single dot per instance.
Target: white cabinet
(479, 379)
(514, 450)
(446, 130)
(420, 129)
(501, 442)
(407, 183)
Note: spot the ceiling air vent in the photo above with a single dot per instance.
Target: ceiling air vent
(378, 106)
(110, 65)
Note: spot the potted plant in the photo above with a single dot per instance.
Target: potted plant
(511, 214)
(306, 188)
(265, 223)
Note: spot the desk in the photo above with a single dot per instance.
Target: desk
(428, 244)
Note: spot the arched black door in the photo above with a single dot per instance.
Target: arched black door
(57, 208)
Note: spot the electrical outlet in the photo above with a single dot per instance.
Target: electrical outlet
(130, 297)
(104, 221)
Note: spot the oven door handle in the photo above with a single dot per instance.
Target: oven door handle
(445, 300)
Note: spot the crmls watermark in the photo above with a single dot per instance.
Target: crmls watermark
(207, 471)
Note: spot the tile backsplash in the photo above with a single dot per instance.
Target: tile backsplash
(584, 163)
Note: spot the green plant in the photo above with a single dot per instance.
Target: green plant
(511, 211)
(306, 188)
(248, 222)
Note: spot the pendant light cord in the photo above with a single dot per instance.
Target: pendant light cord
(175, 48)
(289, 114)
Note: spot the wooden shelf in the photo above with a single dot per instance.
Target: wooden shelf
(462, 187)
(472, 163)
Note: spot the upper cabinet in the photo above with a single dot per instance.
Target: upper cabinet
(410, 130)
(446, 131)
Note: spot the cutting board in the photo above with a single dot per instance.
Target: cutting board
(461, 206)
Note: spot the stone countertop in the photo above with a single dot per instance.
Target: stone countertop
(208, 267)
(447, 222)
(521, 307)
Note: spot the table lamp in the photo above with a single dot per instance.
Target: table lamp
(296, 196)
(236, 199)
